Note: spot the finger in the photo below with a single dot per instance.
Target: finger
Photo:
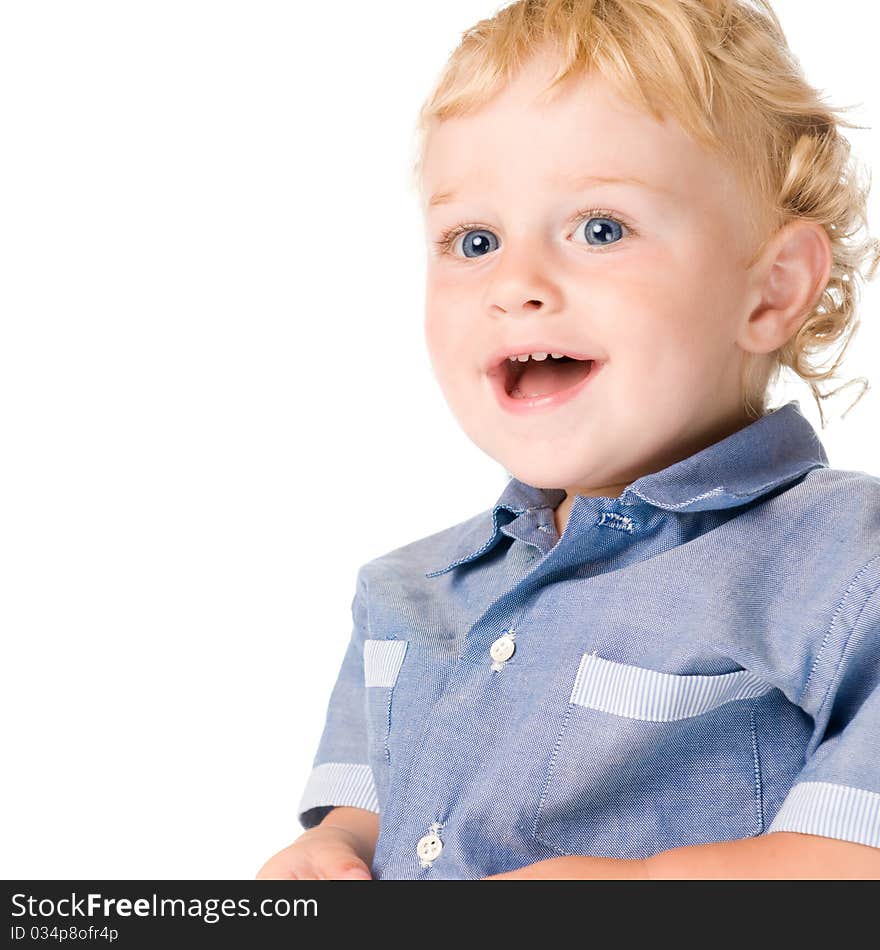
(279, 868)
(277, 874)
(347, 868)
(338, 861)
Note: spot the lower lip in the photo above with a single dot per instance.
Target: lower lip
(538, 403)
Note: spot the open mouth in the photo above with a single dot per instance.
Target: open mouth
(535, 378)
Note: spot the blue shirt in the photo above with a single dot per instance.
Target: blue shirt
(696, 660)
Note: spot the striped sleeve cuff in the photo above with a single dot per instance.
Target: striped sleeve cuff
(830, 810)
(336, 783)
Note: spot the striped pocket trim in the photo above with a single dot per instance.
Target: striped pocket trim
(382, 661)
(638, 693)
(339, 783)
(830, 810)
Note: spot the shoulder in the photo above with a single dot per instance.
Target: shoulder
(828, 527)
(837, 577)
(432, 552)
(835, 512)
(844, 486)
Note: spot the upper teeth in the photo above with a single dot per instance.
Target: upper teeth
(535, 356)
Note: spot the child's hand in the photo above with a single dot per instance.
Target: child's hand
(324, 852)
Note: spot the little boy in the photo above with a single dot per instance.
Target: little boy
(671, 666)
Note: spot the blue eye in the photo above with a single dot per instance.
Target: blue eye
(479, 242)
(601, 231)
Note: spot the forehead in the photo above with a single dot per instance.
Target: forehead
(522, 137)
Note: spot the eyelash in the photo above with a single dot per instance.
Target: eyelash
(447, 238)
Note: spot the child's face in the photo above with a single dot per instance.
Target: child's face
(661, 305)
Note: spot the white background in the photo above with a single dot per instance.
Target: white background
(216, 402)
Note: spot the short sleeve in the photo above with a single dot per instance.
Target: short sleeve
(837, 792)
(341, 773)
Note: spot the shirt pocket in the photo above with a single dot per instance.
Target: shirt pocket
(382, 662)
(645, 761)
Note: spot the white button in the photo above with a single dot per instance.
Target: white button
(502, 649)
(429, 847)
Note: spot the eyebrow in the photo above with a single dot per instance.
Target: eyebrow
(576, 181)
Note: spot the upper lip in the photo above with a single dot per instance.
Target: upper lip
(496, 359)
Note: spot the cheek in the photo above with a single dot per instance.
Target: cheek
(449, 333)
(440, 337)
(668, 350)
(661, 353)
(672, 313)
(438, 334)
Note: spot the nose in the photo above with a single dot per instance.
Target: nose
(520, 282)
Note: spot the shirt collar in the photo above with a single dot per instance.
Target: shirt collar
(769, 452)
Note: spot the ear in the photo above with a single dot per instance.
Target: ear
(789, 278)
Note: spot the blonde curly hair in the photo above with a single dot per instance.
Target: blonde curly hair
(724, 70)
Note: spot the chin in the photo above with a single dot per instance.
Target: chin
(540, 473)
